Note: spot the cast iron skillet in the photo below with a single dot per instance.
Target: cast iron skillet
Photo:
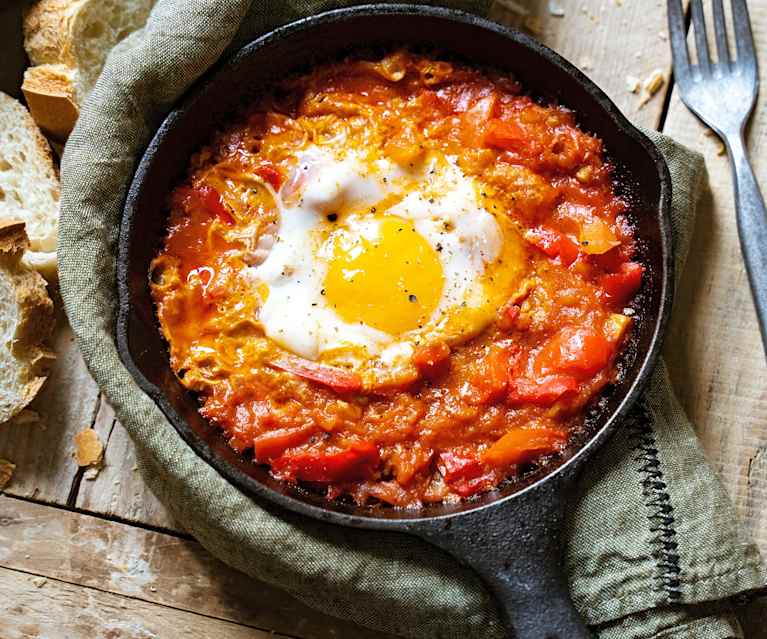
(512, 536)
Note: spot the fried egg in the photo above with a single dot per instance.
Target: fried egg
(371, 259)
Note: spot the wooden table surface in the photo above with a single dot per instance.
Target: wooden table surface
(101, 557)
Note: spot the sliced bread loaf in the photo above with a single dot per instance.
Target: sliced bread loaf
(29, 186)
(69, 41)
(26, 323)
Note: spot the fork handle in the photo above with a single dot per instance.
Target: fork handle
(752, 226)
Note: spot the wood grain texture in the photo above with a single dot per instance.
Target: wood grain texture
(58, 610)
(713, 348)
(119, 490)
(42, 450)
(608, 41)
(153, 569)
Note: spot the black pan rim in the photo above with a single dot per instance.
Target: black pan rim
(405, 519)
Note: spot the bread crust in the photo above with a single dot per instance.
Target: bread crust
(36, 317)
(50, 94)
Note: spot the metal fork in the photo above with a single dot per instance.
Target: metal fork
(723, 95)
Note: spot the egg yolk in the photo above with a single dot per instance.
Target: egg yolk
(392, 282)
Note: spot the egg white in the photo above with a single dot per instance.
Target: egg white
(355, 191)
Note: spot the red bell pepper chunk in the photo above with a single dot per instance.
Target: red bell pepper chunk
(356, 463)
(504, 134)
(618, 288)
(540, 392)
(336, 378)
(211, 200)
(454, 466)
(432, 360)
(580, 352)
(554, 244)
(269, 174)
(464, 474)
(273, 443)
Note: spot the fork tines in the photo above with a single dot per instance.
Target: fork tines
(744, 40)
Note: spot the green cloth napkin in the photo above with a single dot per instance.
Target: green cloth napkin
(654, 546)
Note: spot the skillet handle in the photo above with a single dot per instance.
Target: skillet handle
(516, 548)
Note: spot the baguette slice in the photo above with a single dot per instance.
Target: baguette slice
(70, 40)
(29, 186)
(26, 323)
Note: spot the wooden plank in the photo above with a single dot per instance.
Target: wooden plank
(42, 450)
(713, 348)
(119, 490)
(152, 569)
(58, 610)
(608, 40)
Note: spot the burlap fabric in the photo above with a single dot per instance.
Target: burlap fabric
(654, 545)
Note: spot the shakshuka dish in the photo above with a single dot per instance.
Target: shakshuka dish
(399, 281)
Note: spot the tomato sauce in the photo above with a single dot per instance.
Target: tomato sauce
(472, 414)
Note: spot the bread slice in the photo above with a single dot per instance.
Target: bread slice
(29, 186)
(71, 39)
(49, 91)
(26, 323)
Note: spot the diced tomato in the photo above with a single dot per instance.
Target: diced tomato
(466, 475)
(429, 100)
(336, 378)
(541, 392)
(521, 445)
(432, 360)
(211, 200)
(507, 316)
(274, 443)
(475, 119)
(270, 174)
(356, 463)
(618, 288)
(597, 238)
(491, 377)
(554, 244)
(580, 352)
(504, 134)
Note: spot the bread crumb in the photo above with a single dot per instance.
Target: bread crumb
(555, 9)
(39, 582)
(585, 63)
(652, 85)
(91, 473)
(633, 84)
(6, 472)
(89, 449)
